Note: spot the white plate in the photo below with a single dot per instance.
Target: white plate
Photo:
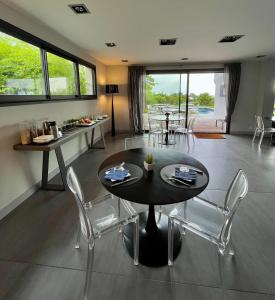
(43, 139)
(86, 124)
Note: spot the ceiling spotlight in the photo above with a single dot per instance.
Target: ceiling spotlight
(230, 38)
(261, 56)
(79, 8)
(124, 60)
(110, 45)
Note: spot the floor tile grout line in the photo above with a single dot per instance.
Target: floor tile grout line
(252, 292)
(188, 283)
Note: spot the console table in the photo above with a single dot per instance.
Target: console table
(56, 146)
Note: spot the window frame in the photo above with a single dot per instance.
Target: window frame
(187, 71)
(8, 100)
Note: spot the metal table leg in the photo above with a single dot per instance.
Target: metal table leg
(45, 171)
(101, 127)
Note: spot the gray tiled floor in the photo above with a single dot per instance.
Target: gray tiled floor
(38, 259)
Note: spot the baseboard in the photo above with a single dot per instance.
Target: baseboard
(35, 187)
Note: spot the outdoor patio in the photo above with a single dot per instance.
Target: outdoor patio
(201, 124)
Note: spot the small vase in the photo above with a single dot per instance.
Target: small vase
(148, 167)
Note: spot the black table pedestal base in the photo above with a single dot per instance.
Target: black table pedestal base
(153, 246)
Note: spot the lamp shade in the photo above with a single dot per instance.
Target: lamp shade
(111, 88)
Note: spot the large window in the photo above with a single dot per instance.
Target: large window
(193, 94)
(20, 67)
(86, 80)
(34, 70)
(61, 75)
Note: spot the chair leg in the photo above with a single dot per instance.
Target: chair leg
(183, 230)
(188, 144)
(170, 242)
(78, 237)
(261, 139)
(255, 134)
(230, 250)
(90, 261)
(136, 241)
(119, 213)
(221, 249)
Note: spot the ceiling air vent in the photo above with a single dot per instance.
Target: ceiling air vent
(167, 42)
(230, 38)
(79, 8)
(111, 44)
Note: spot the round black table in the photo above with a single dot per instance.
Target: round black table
(152, 190)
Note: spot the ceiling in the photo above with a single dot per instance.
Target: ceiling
(136, 27)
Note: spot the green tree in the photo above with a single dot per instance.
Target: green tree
(204, 99)
(20, 60)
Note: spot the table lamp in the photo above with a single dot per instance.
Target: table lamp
(112, 89)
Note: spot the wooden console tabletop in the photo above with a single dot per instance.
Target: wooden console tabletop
(56, 146)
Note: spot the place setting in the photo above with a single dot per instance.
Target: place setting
(182, 175)
(122, 174)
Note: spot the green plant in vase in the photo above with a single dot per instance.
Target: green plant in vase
(149, 162)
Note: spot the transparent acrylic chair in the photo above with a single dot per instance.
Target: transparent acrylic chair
(187, 131)
(99, 217)
(208, 220)
(156, 129)
(260, 129)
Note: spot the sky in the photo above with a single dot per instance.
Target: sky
(198, 83)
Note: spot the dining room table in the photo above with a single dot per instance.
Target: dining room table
(167, 118)
(153, 188)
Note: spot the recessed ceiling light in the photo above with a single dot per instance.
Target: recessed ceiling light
(184, 58)
(124, 60)
(167, 42)
(261, 56)
(230, 38)
(110, 44)
(79, 8)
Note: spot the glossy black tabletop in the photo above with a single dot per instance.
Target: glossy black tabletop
(151, 188)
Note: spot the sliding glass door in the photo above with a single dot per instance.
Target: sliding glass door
(207, 102)
(192, 94)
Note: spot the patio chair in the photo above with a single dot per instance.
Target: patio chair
(155, 129)
(260, 128)
(99, 217)
(207, 219)
(187, 131)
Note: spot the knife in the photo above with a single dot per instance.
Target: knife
(127, 180)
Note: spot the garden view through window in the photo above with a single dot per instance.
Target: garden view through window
(61, 75)
(20, 67)
(30, 73)
(86, 80)
(167, 92)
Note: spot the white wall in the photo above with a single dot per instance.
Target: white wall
(245, 109)
(21, 170)
(119, 75)
(256, 95)
(268, 95)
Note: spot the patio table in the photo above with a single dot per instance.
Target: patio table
(167, 117)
